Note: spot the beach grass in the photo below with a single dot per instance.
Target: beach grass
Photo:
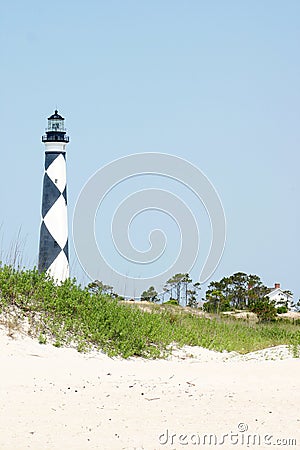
(69, 314)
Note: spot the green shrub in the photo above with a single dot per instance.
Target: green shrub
(264, 309)
(70, 314)
(172, 301)
(281, 309)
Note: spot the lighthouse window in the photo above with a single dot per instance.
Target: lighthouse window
(56, 180)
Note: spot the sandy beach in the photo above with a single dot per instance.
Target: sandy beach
(56, 398)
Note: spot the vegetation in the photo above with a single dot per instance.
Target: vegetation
(281, 309)
(239, 291)
(172, 301)
(69, 314)
(150, 295)
(264, 309)
(216, 302)
(182, 288)
(97, 287)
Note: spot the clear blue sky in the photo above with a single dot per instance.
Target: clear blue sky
(214, 82)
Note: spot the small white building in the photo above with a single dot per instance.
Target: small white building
(280, 297)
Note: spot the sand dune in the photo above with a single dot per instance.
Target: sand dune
(56, 398)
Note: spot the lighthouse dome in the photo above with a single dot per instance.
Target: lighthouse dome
(56, 116)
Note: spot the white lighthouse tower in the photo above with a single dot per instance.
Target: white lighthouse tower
(53, 250)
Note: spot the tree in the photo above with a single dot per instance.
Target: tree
(264, 309)
(237, 291)
(289, 298)
(174, 285)
(256, 290)
(181, 288)
(216, 302)
(150, 295)
(97, 287)
(191, 295)
(296, 305)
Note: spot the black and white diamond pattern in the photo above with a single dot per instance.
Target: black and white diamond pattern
(53, 253)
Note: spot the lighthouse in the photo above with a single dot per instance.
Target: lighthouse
(53, 249)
